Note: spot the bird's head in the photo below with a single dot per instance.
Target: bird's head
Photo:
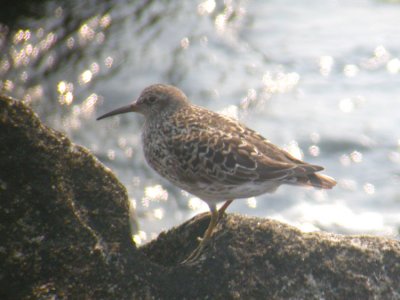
(154, 100)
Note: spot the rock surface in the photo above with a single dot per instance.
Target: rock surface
(64, 233)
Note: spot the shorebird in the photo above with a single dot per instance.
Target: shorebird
(212, 156)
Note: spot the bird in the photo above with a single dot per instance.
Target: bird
(212, 156)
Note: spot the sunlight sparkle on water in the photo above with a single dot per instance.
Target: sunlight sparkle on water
(140, 237)
(307, 227)
(281, 82)
(132, 204)
(85, 77)
(206, 7)
(294, 149)
(379, 58)
(70, 42)
(49, 41)
(105, 21)
(326, 63)
(89, 105)
(314, 150)
(393, 66)
(220, 23)
(154, 193)
(251, 202)
(8, 85)
(195, 203)
(94, 68)
(21, 36)
(369, 188)
(65, 90)
(356, 156)
(108, 62)
(132, 216)
(86, 32)
(350, 70)
(62, 87)
(185, 43)
(159, 213)
(381, 52)
(231, 111)
(67, 98)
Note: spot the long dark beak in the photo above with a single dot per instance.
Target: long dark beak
(121, 110)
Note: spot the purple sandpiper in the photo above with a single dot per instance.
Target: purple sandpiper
(211, 156)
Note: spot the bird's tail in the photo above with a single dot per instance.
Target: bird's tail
(316, 180)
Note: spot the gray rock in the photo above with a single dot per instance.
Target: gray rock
(64, 233)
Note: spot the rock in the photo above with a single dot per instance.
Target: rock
(253, 258)
(64, 233)
(64, 230)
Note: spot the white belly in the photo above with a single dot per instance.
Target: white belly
(216, 193)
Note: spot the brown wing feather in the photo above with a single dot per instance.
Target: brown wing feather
(231, 153)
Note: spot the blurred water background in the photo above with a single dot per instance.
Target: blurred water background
(319, 78)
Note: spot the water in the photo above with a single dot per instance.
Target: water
(320, 78)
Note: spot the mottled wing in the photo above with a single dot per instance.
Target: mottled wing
(273, 155)
(221, 150)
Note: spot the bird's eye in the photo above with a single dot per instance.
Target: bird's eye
(151, 99)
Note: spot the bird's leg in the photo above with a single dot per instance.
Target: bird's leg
(213, 223)
(222, 209)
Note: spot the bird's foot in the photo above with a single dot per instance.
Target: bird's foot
(213, 223)
(194, 256)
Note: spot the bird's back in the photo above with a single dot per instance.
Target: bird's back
(213, 156)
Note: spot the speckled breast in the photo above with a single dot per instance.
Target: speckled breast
(155, 138)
